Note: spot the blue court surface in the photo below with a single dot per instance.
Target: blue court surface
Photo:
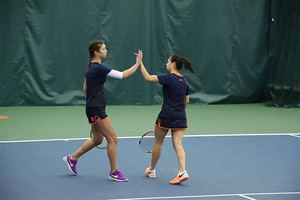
(227, 167)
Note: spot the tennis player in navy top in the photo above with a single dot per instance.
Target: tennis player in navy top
(101, 125)
(172, 115)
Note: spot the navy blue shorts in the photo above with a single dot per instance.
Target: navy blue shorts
(171, 123)
(94, 113)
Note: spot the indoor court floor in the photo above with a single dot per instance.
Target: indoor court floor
(233, 152)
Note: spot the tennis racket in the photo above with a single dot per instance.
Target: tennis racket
(103, 145)
(146, 142)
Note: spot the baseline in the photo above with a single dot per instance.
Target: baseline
(187, 136)
(215, 195)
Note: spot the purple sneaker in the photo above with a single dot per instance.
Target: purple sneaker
(117, 176)
(71, 163)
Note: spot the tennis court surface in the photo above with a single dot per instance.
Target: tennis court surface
(261, 167)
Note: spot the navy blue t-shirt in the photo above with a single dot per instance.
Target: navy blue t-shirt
(175, 88)
(95, 78)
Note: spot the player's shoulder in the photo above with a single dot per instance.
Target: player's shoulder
(163, 76)
(102, 67)
(96, 64)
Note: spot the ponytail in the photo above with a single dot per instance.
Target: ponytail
(94, 46)
(188, 65)
(180, 61)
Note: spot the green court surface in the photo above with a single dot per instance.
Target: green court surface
(60, 122)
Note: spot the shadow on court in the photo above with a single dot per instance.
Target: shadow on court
(220, 167)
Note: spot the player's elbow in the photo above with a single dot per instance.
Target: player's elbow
(124, 76)
(147, 78)
(186, 101)
(151, 78)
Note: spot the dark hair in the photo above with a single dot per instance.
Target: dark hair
(94, 46)
(179, 61)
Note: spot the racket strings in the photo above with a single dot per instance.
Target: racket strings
(147, 142)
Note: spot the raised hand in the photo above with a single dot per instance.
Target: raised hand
(139, 57)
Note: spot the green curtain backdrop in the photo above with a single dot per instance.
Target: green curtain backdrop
(44, 48)
(283, 80)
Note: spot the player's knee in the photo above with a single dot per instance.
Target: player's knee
(177, 145)
(97, 141)
(115, 140)
(159, 142)
(112, 140)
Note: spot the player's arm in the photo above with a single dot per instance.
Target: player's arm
(147, 76)
(129, 71)
(122, 75)
(186, 100)
(84, 88)
(132, 69)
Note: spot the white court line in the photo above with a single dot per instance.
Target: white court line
(237, 135)
(246, 197)
(45, 140)
(216, 195)
(133, 137)
(298, 136)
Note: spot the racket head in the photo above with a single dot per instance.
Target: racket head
(146, 142)
(103, 145)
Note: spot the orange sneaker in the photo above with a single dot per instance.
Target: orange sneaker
(150, 174)
(180, 177)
